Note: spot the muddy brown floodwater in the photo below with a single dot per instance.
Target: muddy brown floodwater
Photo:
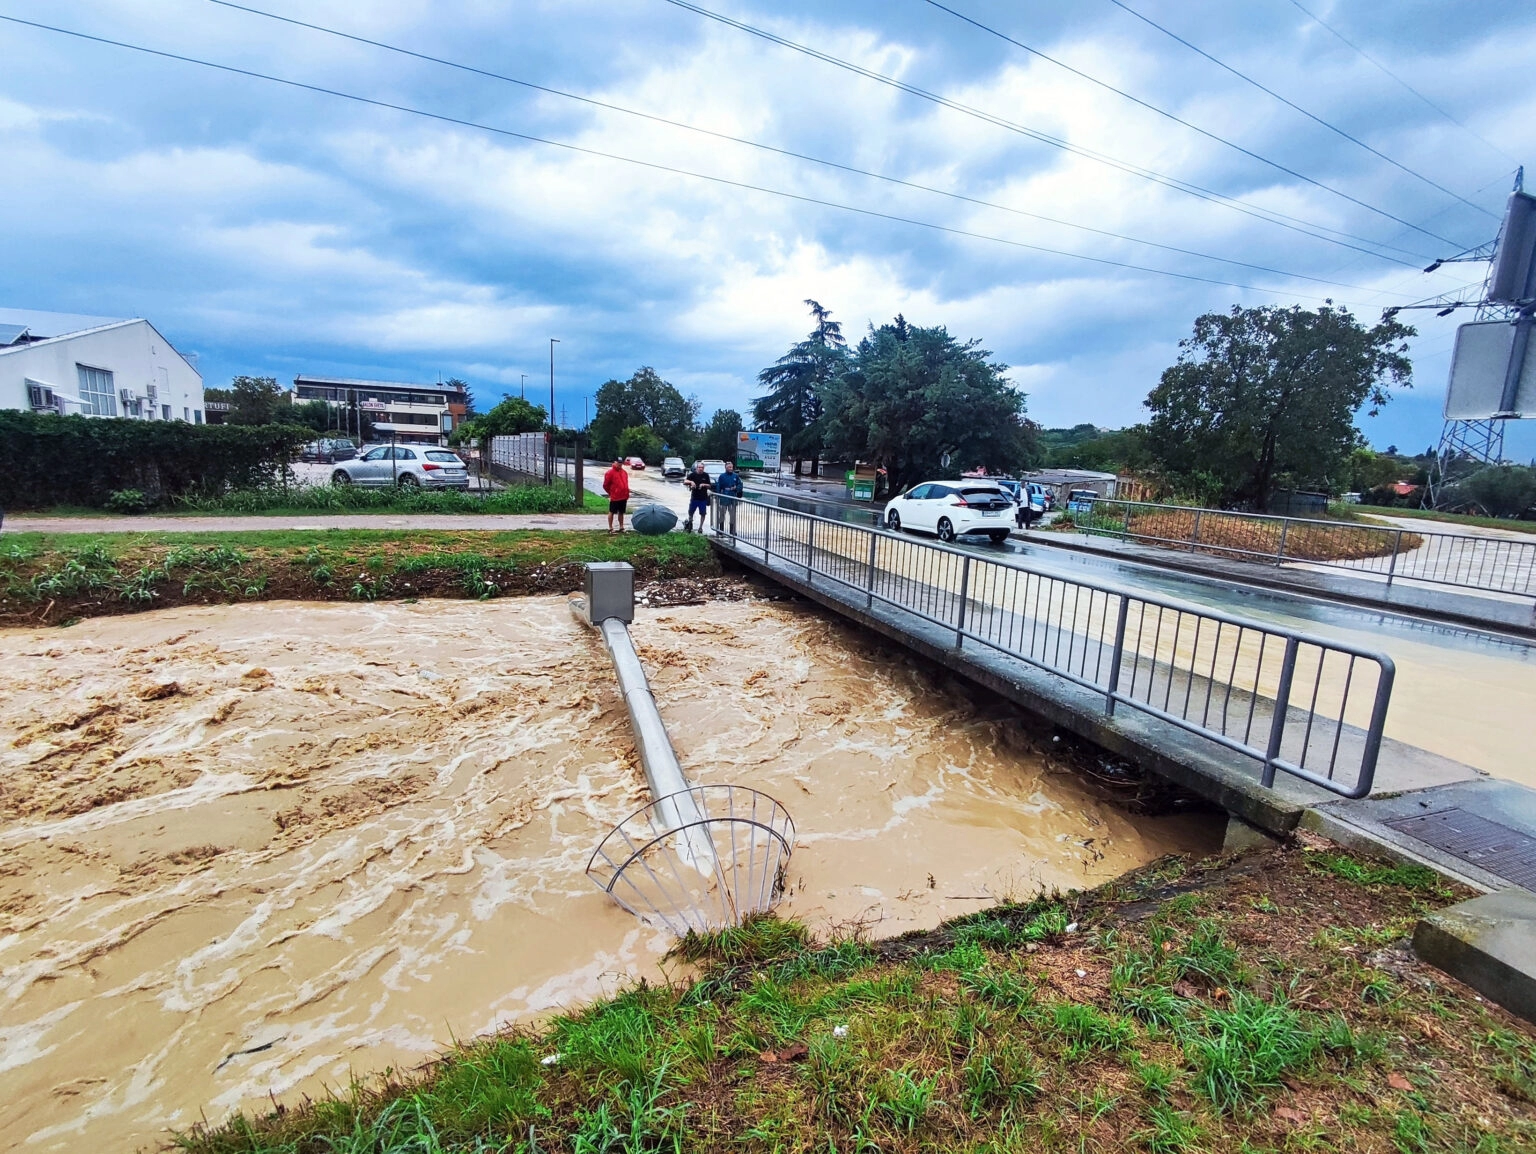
(250, 851)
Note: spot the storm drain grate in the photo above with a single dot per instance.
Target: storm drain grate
(1502, 851)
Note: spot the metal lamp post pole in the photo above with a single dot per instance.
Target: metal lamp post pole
(550, 457)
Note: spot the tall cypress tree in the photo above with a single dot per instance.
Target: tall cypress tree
(797, 383)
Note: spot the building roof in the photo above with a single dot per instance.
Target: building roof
(42, 325)
(1066, 476)
(353, 383)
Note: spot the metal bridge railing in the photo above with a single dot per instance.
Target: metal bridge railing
(1294, 703)
(1488, 564)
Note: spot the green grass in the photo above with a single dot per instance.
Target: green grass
(1365, 512)
(317, 499)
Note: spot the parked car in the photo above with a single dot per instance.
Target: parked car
(673, 467)
(326, 451)
(712, 467)
(952, 509)
(1081, 500)
(635, 463)
(409, 466)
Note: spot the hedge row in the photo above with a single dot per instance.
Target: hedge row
(53, 460)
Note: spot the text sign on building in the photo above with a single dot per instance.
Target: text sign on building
(758, 450)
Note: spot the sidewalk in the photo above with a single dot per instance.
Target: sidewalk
(1480, 610)
(490, 522)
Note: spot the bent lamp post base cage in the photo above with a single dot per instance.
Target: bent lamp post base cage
(652, 864)
(696, 857)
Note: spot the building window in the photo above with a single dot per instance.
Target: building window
(97, 392)
(197, 416)
(186, 414)
(165, 412)
(40, 398)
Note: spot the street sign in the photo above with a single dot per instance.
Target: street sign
(758, 450)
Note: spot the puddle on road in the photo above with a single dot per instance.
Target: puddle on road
(251, 850)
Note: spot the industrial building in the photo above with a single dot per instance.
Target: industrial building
(96, 367)
(398, 410)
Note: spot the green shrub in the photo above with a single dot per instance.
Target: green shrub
(127, 501)
(85, 460)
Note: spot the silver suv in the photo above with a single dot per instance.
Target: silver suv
(408, 466)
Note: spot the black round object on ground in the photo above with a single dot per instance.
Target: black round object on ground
(653, 520)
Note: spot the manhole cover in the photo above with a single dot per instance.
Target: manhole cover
(1504, 852)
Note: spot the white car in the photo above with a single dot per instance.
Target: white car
(408, 466)
(952, 509)
(713, 468)
(672, 467)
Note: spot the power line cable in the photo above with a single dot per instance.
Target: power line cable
(1371, 59)
(1272, 216)
(651, 165)
(607, 106)
(1292, 104)
(1163, 112)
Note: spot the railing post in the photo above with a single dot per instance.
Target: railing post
(1194, 534)
(810, 548)
(1285, 528)
(874, 541)
(965, 589)
(1282, 707)
(1116, 657)
(1397, 546)
(767, 529)
(1125, 529)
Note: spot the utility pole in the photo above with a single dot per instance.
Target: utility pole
(553, 341)
(522, 386)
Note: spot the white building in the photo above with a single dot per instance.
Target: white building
(399, 410)
(63, 363)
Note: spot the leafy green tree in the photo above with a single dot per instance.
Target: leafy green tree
(256, 401)
(316, 416)
(640, 441)
(718, 438)
(912, 395)
(510, 416)
(1369, 470)
(1503, 490)
(1267, 396)
(1114, 451)
(645, 399)
(796, 384)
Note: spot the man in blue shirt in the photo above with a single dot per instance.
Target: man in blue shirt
(728, 490)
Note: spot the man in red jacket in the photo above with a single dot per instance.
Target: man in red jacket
(616, 485)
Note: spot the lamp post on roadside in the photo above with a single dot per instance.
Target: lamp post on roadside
(550, 457)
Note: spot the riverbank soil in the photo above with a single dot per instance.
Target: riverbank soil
(1265, 1002)
(49, 579)
(248, 850)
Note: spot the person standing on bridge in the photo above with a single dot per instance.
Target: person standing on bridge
(616, 485)
(699, 485)
(728, 492)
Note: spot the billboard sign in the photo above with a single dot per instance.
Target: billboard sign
(1493, 372)
(758, 450)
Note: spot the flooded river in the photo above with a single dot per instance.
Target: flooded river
(253, 850)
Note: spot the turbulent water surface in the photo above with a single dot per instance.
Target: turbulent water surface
(250, 851)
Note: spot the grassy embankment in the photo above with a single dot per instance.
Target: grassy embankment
(312, 499)
(51, 578)
(1261, 1004)
(1370, 512)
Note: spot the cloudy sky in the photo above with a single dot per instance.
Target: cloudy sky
(274, 229)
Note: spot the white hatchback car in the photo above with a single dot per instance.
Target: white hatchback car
(952, 509)
(408, 466)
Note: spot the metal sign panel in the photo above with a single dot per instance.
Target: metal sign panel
(1485, 380)
(758, 450)
(1514, 264)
